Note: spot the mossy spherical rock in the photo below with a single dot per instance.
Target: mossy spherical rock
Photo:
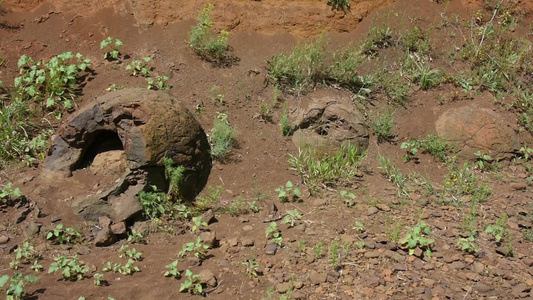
(473, 129)
(148, 126)
(327, 123)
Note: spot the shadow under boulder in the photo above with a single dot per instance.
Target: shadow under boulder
(139, 128)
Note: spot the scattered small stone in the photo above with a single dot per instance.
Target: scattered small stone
(209, 217)
(209, 238)
(300, 227)
(457, 265)
(207, 277)
(383, 207)
(248, 228)
(83, 250)
(282, 288)
(32, 229)
(478, 267)
(317, 278)
(482, 288)
(3, 239)
(233, 242)
(247, 241)
(370, 244)
(418, 264)
(193, 261)
(271, 249)
(320, 202)
(119, 228)
(400, 267)
(297, 295)
(372, 210)
(372, 281)
(21, 215)
(104, 237)
(520, 290)
(372, 254)
(518, 186)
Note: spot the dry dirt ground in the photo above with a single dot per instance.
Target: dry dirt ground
(335, 251)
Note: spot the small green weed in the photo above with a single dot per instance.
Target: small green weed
(468, 244)
(341, 5)
(64, 235)
(202, 42)
(274, 234)
(348, 198)
(9, 193)
(174, 174)
(192, 284)
(222, 137)
(323, 170)
(72, 269)
(172, 270)
(157, 83)
(433, 144)
(291, 217)
(15, 290)
(160, 205)
(289, 193)
(498, 230)
(382, 126)
(98, 279)
(318, 250)
(198, 249)
(111, 47)
(417, 237)
(333, 253)
(394, 175)
(252, 268)
(139, 67)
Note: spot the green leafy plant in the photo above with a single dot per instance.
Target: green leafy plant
(129, 268)
(434, 145)
(9, 192)
(394, 175)
(291, 217)
(172, 270)
(468, 244)
(139, 67)
(98, 279)
(174, 175)
(24, 253)
(320, 170)
(460, 182)
(417, 236)
(111, 46)
(342, 5)
(484, 161)
(217, 97)
(379, 37)
(284, 124)
(222, 137)
(300, 69)
(197, 223)
(51, 82)
(348, 198)
(159, 83)
(15, 290)
(135, 237)
(288, 193)
(252, 268)
(72, 269)
(318, 250)
(274, 234)
(64, 235)
(382, 126)
(333, 253)
(498, 230)
(160, 205)
(198, 249)
(208, 46)
(525, 151)
(359, 227)
(192, 283)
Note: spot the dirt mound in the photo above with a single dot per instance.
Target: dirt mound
(300, 17)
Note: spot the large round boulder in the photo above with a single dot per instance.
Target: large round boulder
(474, 129)
(147, 126)
(326, 123)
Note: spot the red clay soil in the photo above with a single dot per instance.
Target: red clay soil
(258, 165)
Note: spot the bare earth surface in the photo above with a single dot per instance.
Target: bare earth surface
(371, 263)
